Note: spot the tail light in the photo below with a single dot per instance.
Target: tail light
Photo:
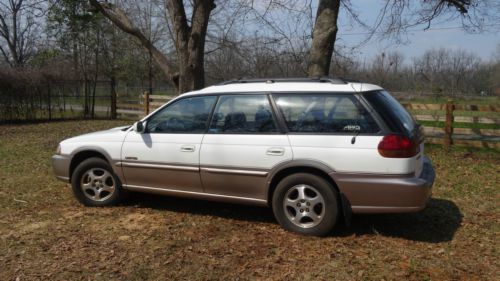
(397, 146)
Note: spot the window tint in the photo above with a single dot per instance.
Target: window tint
(243, 114)
(325, 114)
(393, 113)
(189, 115)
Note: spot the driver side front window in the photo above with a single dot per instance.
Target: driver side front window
(189, 115)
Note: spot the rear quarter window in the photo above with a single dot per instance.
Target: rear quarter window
(392, 112)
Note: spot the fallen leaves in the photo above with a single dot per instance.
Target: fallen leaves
(152, 237)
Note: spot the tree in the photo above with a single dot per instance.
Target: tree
(18, 30)
(186, 71)
(385, 67)
(394, 18)
(82, 34)
(324, 36)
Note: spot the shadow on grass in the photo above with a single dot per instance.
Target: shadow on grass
(201, 207)
(436, 223)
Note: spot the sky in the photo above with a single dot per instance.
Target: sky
(418, 41)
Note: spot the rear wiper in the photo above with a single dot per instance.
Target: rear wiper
(353, 140)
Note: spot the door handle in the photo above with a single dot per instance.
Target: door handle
(188, 148)
(275, 151)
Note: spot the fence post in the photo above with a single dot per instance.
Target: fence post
(113, 98)
(146, 102)
(448, 126)
(49, 101)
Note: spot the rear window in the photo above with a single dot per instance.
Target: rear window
(393, 113)
(325, 113)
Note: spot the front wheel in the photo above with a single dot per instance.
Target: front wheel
(306, 204)
(95, 184)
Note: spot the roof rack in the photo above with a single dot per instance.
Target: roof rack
(323, 79)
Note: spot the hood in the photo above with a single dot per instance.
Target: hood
(116, 134)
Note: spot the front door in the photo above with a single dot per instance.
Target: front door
(166, 155)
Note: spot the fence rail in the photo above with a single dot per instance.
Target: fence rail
(459, 119)
(457, 107)
(130, 108)
(475, 131)
(443, 118)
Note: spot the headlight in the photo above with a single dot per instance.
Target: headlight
(58, 149)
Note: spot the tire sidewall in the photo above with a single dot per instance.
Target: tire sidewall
(76, 183)
(322, 186)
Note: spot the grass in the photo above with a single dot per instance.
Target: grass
(473, 100)
(440, 124)
(45, 234)
(456, 113)
(69, 114)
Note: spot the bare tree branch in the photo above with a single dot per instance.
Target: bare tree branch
(122, 21)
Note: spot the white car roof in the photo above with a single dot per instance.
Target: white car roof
(288, 87)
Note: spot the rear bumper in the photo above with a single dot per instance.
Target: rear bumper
(387, 193)
(60, 165)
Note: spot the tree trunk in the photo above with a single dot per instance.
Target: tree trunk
(189, 40)
(324, 35)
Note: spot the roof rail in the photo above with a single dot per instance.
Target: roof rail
(323, 79)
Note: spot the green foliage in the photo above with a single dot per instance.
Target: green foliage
(69, 19)
(45, 57)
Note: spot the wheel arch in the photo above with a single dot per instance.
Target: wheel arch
(297, 166)
(83, 154)
(307, 166)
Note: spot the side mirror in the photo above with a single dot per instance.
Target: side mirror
(139, 127)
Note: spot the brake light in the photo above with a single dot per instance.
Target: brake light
(397, 146)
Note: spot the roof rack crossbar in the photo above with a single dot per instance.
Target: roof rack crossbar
(324, 79)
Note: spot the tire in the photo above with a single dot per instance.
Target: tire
(95, 184)
(306, 204)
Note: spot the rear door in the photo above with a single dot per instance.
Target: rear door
(335, 129)
(242, 144)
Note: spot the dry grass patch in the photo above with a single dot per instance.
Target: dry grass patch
(45, 234)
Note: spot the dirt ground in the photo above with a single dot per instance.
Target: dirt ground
(45, 234)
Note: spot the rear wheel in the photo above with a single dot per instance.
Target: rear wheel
(95, 184)
(306, 204)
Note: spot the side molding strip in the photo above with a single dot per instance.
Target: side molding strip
(193, 169)
(192, 194)
(158, 166)
(384, 209)
(237, 172)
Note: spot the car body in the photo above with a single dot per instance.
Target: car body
(248, 141)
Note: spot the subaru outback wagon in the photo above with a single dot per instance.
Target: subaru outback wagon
(314, 150)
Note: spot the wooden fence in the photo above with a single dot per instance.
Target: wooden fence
(459, 124)
(447, 124)
(136, 108)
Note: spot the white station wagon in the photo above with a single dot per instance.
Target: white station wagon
(313, 149)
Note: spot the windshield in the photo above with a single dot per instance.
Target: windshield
(393, 113)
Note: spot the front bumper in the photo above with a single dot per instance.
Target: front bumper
(60, 165)
(387, 193)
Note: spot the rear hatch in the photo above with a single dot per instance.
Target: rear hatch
(398, 121)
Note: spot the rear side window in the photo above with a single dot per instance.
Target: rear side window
(394, 114)
(320, 113)
(243, 114)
